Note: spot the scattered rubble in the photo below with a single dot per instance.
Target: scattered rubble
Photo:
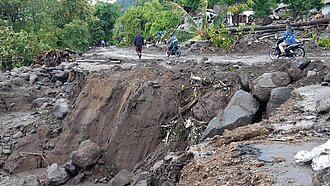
(143, 122)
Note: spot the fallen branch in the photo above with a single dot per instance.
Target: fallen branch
(189, 105)
(43, 156)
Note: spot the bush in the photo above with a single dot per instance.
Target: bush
(324, 42)
(17, 49)
(220, 37)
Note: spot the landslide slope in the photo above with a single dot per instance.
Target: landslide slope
(123, 113)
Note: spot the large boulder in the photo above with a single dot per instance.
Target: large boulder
(277, 97)
(87, 154)
(56, 174)
(240, 111)
(61, 108)
(264, 84)
(124, 177)
(323, 105)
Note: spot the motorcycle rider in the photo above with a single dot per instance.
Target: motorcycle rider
(172, 42)
(287, 39)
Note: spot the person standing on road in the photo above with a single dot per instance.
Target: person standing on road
(138, 42)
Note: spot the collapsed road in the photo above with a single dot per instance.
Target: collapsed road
(201, 119)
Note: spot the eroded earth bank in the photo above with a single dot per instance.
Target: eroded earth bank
(107, 119)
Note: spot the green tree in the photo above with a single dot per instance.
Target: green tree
(147, 19)
(16, 48)
(70, 10)
(75, 35)
(262, 8)
(125, 4)
(190, 3)
(301, 7)
(11, 10)
(106, 15)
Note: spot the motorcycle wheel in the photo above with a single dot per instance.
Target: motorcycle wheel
(298, 53)
(274, 54)
(168, 53)
(178, 53)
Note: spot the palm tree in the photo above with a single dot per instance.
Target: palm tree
(196, 30)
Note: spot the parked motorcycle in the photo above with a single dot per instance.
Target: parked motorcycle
(295, 50)
(174, 50)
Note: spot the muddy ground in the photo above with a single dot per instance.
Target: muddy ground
(144, 114)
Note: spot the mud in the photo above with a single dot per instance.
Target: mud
(142, 111)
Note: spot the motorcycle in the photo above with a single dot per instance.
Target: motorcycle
(295, 50)
(174, 50)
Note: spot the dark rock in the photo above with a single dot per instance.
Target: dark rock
(324, 84)
(56, 174)
(68, 87)
(327, 77)
(87, 154)
(62, 76)
(301, 64)
(61, 108)
(239, 112)
(245, 82)
(264, 84)
(323, 105)
(30, 181)
(124, 177)
(277, 97)
(71, 168)
(295, 73)
(39, 102)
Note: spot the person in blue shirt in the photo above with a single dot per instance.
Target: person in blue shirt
(172, 42)
(288, 38)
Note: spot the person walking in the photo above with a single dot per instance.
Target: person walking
(138, 43)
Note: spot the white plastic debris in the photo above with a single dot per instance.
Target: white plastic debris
(320, 156)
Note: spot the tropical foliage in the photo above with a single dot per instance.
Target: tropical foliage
(148, 19)
(29, 26)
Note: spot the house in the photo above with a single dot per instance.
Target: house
(326, 7)
(243, 18)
